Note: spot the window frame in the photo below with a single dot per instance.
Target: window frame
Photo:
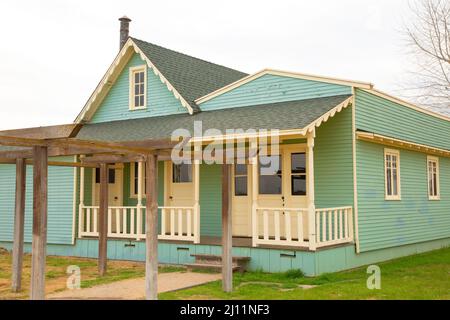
(182, 182)
(398, 196)
(240, 175)
(132, 72)
(133, 172)
(438, 188)
(281, 159)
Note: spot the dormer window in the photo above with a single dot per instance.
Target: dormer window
(138, 87)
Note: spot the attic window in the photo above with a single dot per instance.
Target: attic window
(138, 85)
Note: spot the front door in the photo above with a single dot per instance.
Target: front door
(115, 186)
(241, 200)
(180, 191)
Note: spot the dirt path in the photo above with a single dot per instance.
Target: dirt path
(135, 289)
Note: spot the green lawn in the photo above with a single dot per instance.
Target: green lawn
(424, 276)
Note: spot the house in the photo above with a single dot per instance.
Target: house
(350, 175)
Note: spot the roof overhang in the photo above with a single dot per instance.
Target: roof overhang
(404, 144)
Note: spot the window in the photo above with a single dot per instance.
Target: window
(111, 175)
(270, 174)
(240, 179)
(298, 174)
(134, 168)
(138, 79)
(433, 177)
(181, 173)
(392, 174)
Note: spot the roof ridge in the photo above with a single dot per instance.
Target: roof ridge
(187, 55)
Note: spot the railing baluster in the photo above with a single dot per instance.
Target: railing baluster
(287, 225)
(132, 221)
(324, 226)
(172, 222)
(300, 226)
(189, 223)
(180, 222)
(335, 212)
(330, 219)
(266, 225)
(341, 231)
(317, 226)
(346, 223)
(88, 220)
(117, 221)
(95, 220)
(163, 221)
(276, 217)
(109, 222)
(124, 221)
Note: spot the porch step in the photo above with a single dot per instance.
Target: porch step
(213, 261)
(209, 266)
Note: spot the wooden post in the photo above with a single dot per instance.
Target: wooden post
(254, 176)
(80, 209)
(139, 200)
(103, 220)
(227, 259)
(197, 149)
(310, 192)
(19, 218)
(38, 249)
(151, 219)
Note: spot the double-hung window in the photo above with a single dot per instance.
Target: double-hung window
(138, 85)
(433, 177)
(392, 174)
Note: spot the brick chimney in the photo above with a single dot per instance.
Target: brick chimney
(124, 30)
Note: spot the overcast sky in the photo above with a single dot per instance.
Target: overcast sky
(53, 53)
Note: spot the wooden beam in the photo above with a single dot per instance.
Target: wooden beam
(38, 250)
(103, 220)
(49, 132)
(112, 158)
(227, 260)
(151, 241)
(19, 219)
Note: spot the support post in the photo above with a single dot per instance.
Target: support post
(103, 220)
(151, 218)
(197, 150)
(310, 192)
(139, 200)
(39, 244)
(227, 259)
(19, 218)
(254, 176)
(80, 209)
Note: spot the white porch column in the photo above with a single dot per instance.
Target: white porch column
(139, 200)
(197, 150)
(80, 209)
(254, 176)
(310, 191)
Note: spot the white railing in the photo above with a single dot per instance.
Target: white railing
(281, 226)
(334, 226)
(177, 223)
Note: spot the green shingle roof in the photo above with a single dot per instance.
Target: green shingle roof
(281, 115)
(191, 77)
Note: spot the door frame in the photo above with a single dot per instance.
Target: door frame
(118, 182)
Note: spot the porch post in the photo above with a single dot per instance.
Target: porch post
(310, 192)
(227, 260)
(254, 163)
(103, 220)
(151, 218)
(19, 218)
(80, 209)
(139, 200)
(197, 150)
(39, 244)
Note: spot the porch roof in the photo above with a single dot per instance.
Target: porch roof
(282, 115)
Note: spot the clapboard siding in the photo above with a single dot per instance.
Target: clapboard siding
(414, 218)
(115, 106)
(210, 200)
(333, 163)
(378, 115)
(60, 203)
(271, 88)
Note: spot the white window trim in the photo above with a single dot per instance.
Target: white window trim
(132, 71)
(397, 154)
(438, 196)
(134, 193)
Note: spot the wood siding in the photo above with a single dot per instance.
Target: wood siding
(272, 88)
(115, 106)
(210, 200)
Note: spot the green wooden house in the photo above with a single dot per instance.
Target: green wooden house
(361, 176)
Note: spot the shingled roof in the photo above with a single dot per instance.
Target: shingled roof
(191, 77)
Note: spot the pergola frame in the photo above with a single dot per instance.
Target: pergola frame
(37, 144)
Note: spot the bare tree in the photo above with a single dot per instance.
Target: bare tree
(428, 36)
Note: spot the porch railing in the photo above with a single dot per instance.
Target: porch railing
(177, 223)
(290, 227)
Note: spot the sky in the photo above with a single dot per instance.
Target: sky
(53, 53)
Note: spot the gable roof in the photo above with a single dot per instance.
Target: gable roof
(294, 116)
(185, 76)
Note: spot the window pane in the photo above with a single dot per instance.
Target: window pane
(136, 101)
(136, 77)
(182, 173)
(394, 182)
(270, 184)
(97, 175)
(298, 185)
(112, 176)
(270, 165)
(141, 88)
(141, 101)
(298, 163)
(240, 186)
(388, 182)
(240, 169)
(141, 74)
(136, 89)
(435, 190)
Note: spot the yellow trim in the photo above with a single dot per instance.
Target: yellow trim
(398, 196)
(438, 196)
(263, 72)
(131, 95)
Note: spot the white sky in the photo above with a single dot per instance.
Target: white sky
(53, 53)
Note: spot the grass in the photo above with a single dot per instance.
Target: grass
(56, 275)
(423, 276)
